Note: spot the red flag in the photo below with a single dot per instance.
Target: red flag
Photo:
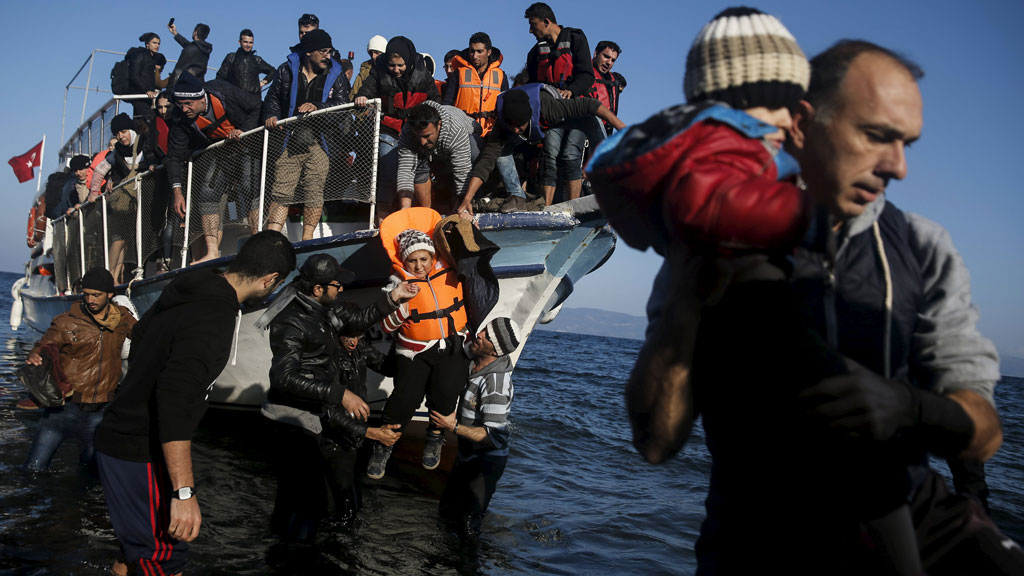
(24, 164)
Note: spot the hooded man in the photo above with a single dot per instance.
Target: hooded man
(195, 55)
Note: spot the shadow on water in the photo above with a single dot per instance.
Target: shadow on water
(575, 498)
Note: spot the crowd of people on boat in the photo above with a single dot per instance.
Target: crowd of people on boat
(826, 338)
(439, 140)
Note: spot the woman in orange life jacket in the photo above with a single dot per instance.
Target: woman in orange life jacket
(429, 332)
(401, 80)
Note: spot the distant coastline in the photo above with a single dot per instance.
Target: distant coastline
(597, 322)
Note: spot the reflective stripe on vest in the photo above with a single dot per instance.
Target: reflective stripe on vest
(478, 97)
(555, 67)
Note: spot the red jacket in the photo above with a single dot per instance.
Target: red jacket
(704, 175)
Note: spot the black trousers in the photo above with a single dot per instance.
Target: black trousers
(468, 491)
(301, 470)
(439, 374)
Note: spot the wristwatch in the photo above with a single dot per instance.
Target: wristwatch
(183, 493)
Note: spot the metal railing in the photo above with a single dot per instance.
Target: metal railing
(245, 184)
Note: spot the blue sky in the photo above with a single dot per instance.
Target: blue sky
(964, 172)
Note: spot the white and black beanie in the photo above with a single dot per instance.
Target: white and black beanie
(504, 334)
(746, 58)
(411, 240)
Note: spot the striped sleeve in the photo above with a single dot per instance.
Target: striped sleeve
(407, 161)
(487, 402)
(394, 320)
(456, 137)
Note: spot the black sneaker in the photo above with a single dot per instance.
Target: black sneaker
(378, 461)
(432, 450)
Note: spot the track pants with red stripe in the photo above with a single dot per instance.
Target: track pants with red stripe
(138, 498)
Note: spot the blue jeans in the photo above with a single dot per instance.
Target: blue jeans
(563, 153)
(507, 168)
(58, 424)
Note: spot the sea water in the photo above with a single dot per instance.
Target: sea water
(575, 497)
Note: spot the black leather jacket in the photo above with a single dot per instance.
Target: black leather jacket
(243, 69)
(342, 428)
(305, 370)
(142, 78)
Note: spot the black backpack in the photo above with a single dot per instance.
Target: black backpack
(119, 77)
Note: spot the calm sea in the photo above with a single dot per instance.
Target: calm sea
(575, 498)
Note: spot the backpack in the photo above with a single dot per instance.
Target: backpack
(119, 77)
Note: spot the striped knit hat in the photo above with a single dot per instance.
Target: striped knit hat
(504, 334)
(746, 58)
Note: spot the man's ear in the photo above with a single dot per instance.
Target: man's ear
(803, 115)
(269, 279)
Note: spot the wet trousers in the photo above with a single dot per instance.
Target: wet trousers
(440, 375)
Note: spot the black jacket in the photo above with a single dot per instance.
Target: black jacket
(382, 84)
(342, 428)
(279, 100)
(195, 56)
(243, 69)
(179, 347)
(242, 109)
(304, 371)
(142, 75)
(581, 80)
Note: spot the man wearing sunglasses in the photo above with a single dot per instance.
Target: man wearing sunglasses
(304, 383)
(307, 81)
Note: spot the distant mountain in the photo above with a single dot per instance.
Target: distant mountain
(1011, 366)
(598, 322)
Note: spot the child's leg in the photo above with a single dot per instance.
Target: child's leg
(411, 377)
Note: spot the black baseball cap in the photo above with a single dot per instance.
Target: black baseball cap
(323, 269)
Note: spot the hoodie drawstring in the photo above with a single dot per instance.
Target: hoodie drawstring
(234, 343)
(887, 336)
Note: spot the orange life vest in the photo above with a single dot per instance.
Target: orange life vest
(439, 309)
(220, 126)
(478, 95)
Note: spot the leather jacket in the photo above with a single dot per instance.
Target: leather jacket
(90, 355)
(305, 371)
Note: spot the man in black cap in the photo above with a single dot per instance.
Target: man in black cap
(320, 84)
(304, 384)
(75, 191)
(524, 113)
(86, 342)
(207, 113)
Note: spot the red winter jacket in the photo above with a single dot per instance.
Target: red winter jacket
(704, 175)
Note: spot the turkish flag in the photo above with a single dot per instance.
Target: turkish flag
(24, 164)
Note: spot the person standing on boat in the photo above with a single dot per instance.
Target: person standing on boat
(305, 385)
(401, 80)
(142, 74)
(207, 113)
(475, 79)
(481, 425)
(243, 66)
(144, 443)
(306, 82)
(893, 294)
(195, 55)
(75, 190)
(88, 339)
(374, 48)
(608, 85)
(524, 114)
(429, 332)
(133, 154)
(561, 59)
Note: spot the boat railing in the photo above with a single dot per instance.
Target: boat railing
(228, 187)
